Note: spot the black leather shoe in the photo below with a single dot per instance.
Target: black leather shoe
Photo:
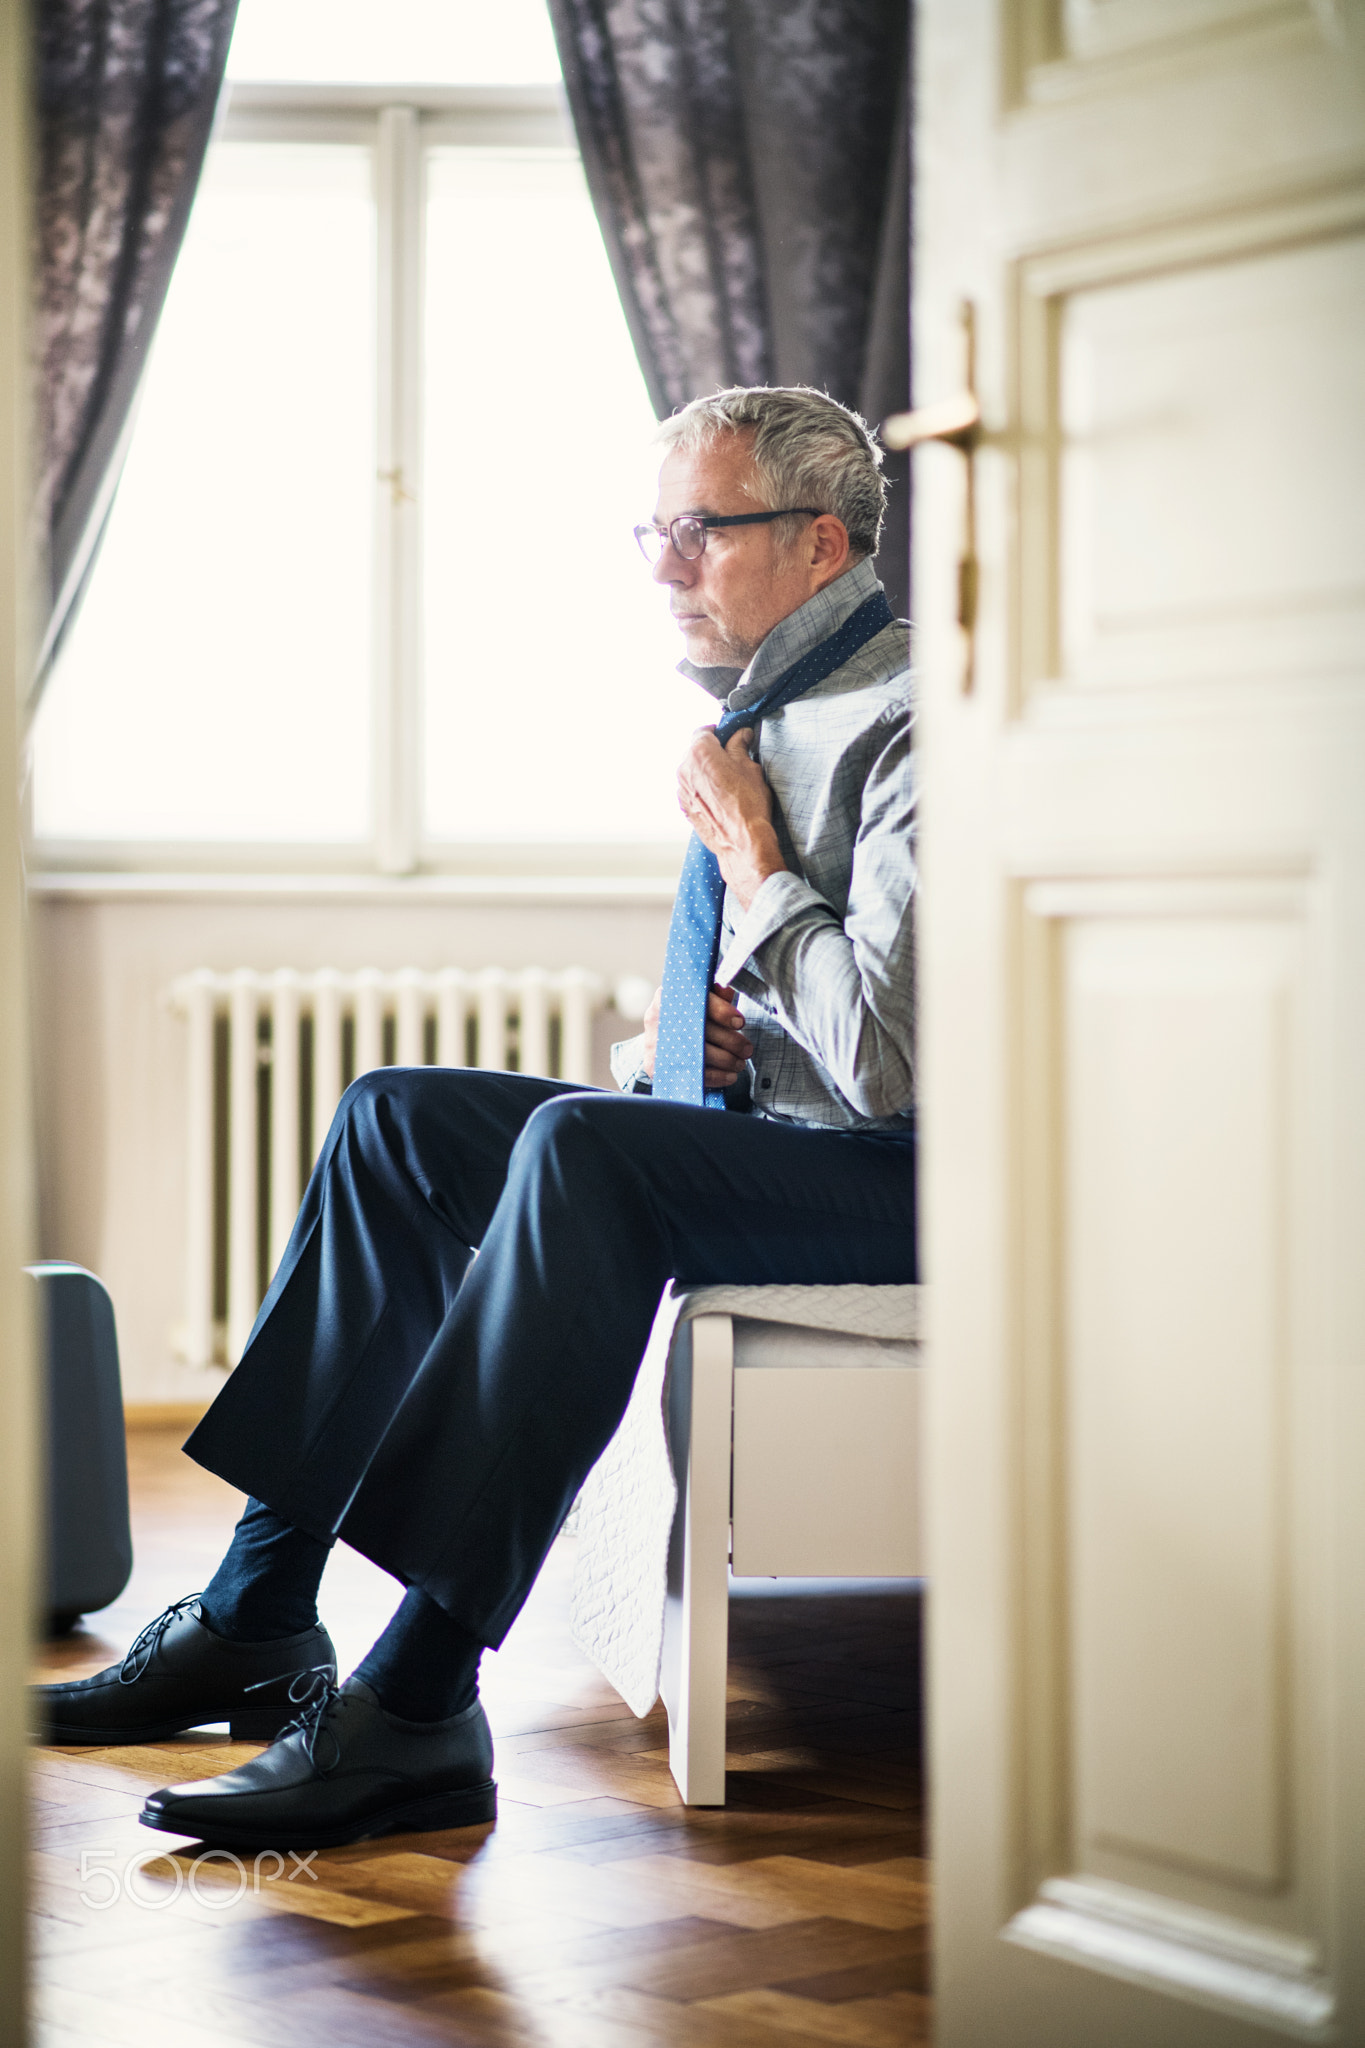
(179, 1674)
(345, 1771)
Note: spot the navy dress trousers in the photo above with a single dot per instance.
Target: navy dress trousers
(439, 1410)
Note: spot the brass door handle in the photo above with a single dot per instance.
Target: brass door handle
(957, 422)
(954, 420)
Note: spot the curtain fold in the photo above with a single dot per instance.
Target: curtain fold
(749, 162)
(127, 91)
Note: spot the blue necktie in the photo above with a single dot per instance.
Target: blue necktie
(694, 933)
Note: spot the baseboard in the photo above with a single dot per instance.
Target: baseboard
(164, 1414)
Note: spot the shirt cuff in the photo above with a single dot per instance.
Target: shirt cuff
(778, 900)
(628, 1066)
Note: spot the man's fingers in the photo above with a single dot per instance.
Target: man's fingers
(706, 760)
(726, 1038)
(728, 1030)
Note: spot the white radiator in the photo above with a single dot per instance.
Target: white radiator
(269, 1058)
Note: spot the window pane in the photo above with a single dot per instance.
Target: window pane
(552, 707)
(216, 683)
(418, 42)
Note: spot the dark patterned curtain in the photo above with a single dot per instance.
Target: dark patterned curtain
(127, 91)
(749, 161)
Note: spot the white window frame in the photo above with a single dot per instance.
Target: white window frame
(399, 125)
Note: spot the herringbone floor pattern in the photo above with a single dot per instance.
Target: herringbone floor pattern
(598, 1913)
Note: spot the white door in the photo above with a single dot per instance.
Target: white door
(1144, 1018)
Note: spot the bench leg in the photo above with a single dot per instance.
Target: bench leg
(699, 1567)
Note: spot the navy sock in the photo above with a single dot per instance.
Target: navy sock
(267, 1585)
(424, 1667)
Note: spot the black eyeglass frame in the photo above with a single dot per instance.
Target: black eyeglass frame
(707, 520)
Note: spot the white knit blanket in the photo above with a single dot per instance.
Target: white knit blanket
(625, 1511)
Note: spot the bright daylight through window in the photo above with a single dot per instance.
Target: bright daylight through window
(230, 679)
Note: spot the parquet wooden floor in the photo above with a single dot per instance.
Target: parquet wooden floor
(597, 1913)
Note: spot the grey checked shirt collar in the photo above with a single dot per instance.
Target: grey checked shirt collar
(789, 640)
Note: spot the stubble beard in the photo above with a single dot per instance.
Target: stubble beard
(720, 650)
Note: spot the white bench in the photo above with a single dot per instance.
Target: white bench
(794, 1420)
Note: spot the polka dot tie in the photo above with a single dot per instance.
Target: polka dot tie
(694, 933)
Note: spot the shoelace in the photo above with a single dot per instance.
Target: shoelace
(144, 1647)
(314, 1692)
(322, 1694)
(304, 1685)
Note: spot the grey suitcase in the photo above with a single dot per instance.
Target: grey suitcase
(89, 1539)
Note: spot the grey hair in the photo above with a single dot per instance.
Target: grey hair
(808, 450)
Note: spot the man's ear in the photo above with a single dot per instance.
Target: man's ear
(829, 548)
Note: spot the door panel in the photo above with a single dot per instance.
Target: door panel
(1143, 962)
(1177, 1108)
(1213, 426)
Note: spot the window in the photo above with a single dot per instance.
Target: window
(216, 684)
(525, 538)
(368, 594)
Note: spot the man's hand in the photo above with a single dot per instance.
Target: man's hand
(727, 1049)
(725, 798)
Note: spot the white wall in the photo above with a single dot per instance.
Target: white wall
(111, 1056)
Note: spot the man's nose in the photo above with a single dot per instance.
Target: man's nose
(672, 567)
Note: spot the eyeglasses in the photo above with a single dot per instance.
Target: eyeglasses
(687, 535)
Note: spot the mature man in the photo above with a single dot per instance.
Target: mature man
(439, 1412)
